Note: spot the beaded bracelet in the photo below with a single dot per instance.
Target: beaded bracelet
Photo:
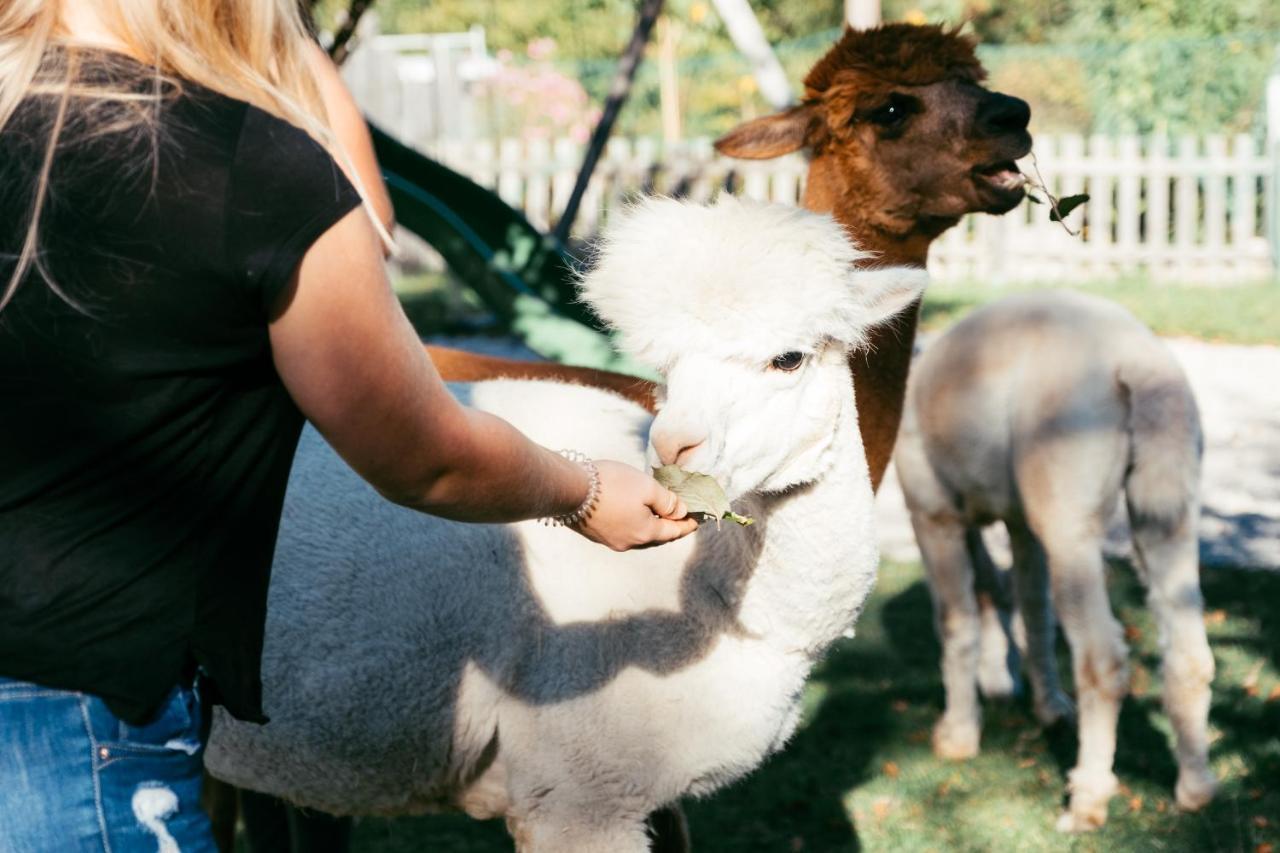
(588, 505)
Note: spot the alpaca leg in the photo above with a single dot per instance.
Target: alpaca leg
(669, 830)
(219, 801)
(1031, 584)
(998, 659)
(1099, 661)
(1169, 557)
(559, 832)
(956, 619)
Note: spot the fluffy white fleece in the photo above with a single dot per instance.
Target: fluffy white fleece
(517, 670)
(757, 280)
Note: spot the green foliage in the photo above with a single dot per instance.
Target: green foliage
(1109, 66)
(1123, 66)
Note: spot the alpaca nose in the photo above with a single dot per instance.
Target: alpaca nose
(675, 448)
(999, 114)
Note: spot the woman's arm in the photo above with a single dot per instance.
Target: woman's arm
(349, 128)
(356, 369)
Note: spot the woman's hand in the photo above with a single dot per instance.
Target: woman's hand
(634, 510)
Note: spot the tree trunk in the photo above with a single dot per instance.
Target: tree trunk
(748, 37)
(618, 92)
(340, 49)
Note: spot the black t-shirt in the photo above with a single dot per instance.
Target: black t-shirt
(145, 436)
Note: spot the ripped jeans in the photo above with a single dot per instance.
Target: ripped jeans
(75, 777)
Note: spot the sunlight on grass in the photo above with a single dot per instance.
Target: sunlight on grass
(1240, 314)
(859, 774)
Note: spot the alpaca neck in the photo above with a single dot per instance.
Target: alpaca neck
(816, 553)
(880, 371)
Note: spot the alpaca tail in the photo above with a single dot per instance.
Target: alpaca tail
(1162, 494)
(1162, 483)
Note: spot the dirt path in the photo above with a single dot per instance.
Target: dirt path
(1238, 389)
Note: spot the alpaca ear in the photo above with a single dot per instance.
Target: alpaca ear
(884, 293)
(771, 136)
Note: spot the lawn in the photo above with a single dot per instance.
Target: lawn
(859, 774)
(1242, 314)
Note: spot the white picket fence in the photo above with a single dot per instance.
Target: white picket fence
(1193, 209)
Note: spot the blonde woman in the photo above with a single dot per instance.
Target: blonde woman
(185, 275)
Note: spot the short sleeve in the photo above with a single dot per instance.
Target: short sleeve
(285, 190)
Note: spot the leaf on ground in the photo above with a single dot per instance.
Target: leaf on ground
(1066, 205)
(1274, 694)
(1215, 617)
(890, 769)
(1139, 680)
(701, 494)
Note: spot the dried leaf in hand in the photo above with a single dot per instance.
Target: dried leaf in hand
(701, 494)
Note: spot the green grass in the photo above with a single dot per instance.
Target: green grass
(1239, 314)
(860, 775)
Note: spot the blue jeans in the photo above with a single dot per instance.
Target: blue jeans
(75, 777)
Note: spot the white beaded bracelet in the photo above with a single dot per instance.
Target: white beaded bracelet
(584, 510)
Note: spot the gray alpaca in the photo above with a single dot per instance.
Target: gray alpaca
(1040, 411)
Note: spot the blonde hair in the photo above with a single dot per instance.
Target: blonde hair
(251, 50)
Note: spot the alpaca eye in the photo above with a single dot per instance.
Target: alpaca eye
(788, 361)
(893, 113)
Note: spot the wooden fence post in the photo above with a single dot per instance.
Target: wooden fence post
(1273, 154)
(1183, 209)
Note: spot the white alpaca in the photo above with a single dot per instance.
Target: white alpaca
(1038, 411)
(414, 663)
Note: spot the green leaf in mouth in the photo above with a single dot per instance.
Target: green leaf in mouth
(1066, 205)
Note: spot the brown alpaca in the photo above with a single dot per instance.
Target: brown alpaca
(903, 141)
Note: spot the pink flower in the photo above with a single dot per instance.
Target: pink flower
(542, 48)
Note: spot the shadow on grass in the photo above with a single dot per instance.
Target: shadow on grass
(859, 775)
(882, 692)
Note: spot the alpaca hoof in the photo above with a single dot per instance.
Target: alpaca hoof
(1085, 814)
(1070, 822)
(1089, 797)
(955, 741)
(998, 683)
(1195, 789)
(1055, 708)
